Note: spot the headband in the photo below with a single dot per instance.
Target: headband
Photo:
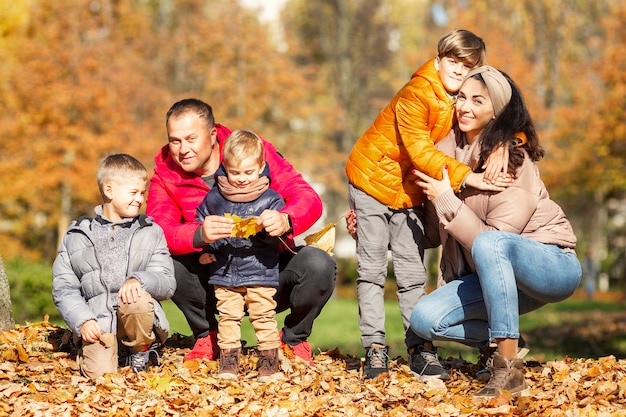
(497, 85)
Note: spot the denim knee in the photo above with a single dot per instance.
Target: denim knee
(484, 243)
(420, 322)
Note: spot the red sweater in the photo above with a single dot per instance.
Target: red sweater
(175, 194)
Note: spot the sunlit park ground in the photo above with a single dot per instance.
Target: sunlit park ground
(576, 328)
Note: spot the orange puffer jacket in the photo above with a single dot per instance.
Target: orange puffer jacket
(403, 137)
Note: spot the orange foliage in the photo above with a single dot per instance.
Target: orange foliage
(83, 79)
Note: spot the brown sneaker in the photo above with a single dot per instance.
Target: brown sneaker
(229, 363)
(486, 354)
(506, 375)
(267, 364)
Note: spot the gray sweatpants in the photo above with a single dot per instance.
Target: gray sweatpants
(380, 229)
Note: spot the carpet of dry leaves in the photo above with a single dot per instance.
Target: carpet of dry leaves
(36, 379)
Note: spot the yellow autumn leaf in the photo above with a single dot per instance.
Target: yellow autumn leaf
(9, 336)
(10, 355)
(21, 353)
(324, 239)
(243, 227)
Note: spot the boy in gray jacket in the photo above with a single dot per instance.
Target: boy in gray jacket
(111, 272)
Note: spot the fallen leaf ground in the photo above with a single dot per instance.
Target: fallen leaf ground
(37, 379)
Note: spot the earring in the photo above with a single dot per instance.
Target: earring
(437, 65)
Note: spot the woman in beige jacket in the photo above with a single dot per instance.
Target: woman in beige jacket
(503, 254)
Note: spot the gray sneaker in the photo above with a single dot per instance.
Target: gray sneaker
(376, 357)
(139, 361)
(425, 364)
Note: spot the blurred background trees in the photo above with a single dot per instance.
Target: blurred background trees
(81, 79)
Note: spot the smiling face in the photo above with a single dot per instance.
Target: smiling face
(451, 72)
(243, 173)
(474, 109)
(192, 144)
(124, 197)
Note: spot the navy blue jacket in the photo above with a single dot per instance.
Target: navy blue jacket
(243, 262)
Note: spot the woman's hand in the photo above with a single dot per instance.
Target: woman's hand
(351, 223)
(432, 187)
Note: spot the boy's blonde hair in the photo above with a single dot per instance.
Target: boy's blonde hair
(464, 46)
(242, 144)
(119, 167)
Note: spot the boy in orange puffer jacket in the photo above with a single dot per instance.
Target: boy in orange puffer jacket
(386, 201)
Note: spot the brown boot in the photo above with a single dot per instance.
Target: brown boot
(229, 363)
(267, 364)
(506, 375)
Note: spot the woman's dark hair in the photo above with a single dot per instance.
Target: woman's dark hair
(513, 119)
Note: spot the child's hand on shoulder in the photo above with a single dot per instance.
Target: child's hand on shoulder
(90, 331)
(130, 291)
(207, 258)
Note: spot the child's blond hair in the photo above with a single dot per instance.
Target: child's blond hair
(119, 167)
(242, 144)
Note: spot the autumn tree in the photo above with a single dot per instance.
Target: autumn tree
(77, 91)
(6, 310)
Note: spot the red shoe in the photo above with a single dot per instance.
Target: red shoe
(205, 348)
(302, 350)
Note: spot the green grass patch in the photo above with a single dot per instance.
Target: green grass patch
(575, 328)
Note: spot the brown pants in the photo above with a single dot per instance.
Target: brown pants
(135, 329)
(261, 309)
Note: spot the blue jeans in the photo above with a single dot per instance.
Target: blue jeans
(515, 275)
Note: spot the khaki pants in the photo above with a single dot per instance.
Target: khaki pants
(261, 310)
(135, 329)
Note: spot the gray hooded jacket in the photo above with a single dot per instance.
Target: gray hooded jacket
(80, 293)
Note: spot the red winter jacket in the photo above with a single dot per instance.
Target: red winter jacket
(175, 194)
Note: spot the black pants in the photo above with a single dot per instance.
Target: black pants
(306, 282)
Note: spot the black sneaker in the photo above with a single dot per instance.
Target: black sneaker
(425, 364)
(376, 357)
(486, 355)
(139, 361)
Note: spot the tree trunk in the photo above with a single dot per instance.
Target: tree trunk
(6, 311)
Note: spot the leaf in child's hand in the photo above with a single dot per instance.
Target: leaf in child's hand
(243, 227)
(324, 239)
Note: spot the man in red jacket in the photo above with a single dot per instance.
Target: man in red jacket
(182, 176)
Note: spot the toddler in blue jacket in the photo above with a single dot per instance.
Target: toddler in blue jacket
(244, 271)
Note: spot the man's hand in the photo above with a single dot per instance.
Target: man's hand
(90, 331)
(433, 187)
(130, 291)
(274, 222)
(216, 227)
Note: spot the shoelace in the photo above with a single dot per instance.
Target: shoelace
(265, 362)
(377, 357)
(498, 377)
(140, 359)
(229, 360)
(430, 357)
